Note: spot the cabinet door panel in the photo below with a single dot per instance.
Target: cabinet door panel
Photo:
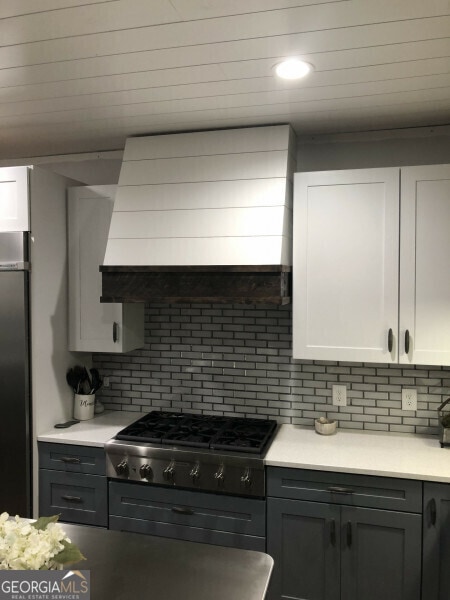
(303, 540)
(346, 264)
(96, 327)
(436, 542)
(14, 206)
(424, 263)
(90, 213)
(76, 497)
(381, 553)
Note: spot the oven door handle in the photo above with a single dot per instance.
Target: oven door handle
(182, 511)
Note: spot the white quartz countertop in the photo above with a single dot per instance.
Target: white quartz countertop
(406, 456)
(94, 432)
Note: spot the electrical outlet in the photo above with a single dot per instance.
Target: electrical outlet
(409, 399)
(340, 395)
(106, 382)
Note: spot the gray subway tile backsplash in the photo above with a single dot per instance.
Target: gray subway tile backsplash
(237, 360)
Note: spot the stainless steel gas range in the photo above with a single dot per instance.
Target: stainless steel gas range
(191, 477)
(193, 452)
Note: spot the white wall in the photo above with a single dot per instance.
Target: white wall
(51, 396)
(421, 146)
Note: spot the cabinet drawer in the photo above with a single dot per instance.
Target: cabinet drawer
(190, 534)
(345, 488)
(76, 459)
(192, 509)
(78, 498)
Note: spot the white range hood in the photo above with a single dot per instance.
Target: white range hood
(214, 199)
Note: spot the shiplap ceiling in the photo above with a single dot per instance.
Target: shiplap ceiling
(84, 75)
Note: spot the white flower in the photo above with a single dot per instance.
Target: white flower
(24, 546)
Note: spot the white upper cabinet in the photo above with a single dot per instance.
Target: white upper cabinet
(370, 286)
(14, 205)
(425, 265)
(93, 326)
(345, 279)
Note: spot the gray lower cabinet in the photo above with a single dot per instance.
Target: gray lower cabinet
(337, 550)
(436, 542)
(186, 515)
(303, 540)
(73, 484)
(380, 554)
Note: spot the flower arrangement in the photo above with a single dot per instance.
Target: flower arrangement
(41, 544)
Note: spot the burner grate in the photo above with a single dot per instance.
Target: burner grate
(153, 427)
(250, 436)
(201, 431)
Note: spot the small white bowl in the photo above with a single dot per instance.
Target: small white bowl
(325, 426)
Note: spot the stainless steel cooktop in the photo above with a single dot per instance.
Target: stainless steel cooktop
(208, 453)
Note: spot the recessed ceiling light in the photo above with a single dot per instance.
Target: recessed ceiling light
(293, 68)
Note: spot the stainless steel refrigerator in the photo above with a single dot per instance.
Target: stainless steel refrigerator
(15, 402)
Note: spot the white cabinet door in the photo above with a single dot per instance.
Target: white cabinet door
(14, 207)
(93, 326)
(425, 265)
(345, 275)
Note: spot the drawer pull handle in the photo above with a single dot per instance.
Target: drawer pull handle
(71, 460)
(433, 511)
(349, 534)
(333, 532)
(390, 340)
(334, 489)
(182, 511)
(76, 499)
(115, 332)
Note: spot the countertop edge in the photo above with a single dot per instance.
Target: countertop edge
(71, 442)
(357, 471)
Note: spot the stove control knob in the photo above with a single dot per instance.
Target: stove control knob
(195, 472)
(146, 472)
(219, 475)
(122, 468)
(246, 478)
(169, 472)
